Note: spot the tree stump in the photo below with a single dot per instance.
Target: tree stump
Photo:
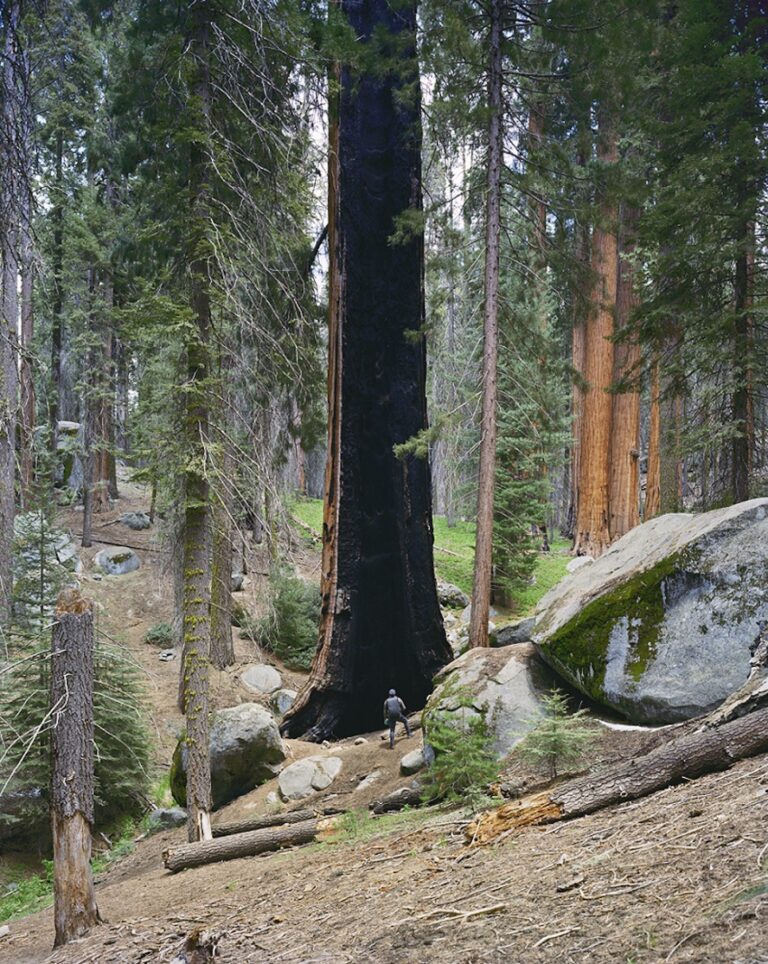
(72, 765)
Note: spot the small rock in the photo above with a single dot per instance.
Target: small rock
(164, 818)
(5, 930)
(273, 801)
(236, 582)
(326, 772)
(117, 560)
(360, 741)
(136, 520)
(166, 655)
(282, 701)
(412, 762)
(97, 577)
(519, 632)
(262, 678)
(466, 614)
(368, 781)
(452, 596)
(304, 777)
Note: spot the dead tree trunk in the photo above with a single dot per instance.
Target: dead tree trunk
(380, 623)
(246, 844)
(685, 758)
(481, 585)
(72, 766)
(262, 823)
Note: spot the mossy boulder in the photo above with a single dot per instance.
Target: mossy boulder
(661, 626)
(506, 684)
(246, 751)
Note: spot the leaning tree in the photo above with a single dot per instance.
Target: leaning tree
(380, 625)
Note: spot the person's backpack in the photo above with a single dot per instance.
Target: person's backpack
(393, 706)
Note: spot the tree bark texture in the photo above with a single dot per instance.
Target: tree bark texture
(10, 203)
(72, 767)
(380, 624)
(261, 823)
(246, 844)
(593, 517)
(653, 470)
(483, 568)
(624, 498)
(26, 379)
(196, 604)
(685, 758)
(740, 402)
(222, 647)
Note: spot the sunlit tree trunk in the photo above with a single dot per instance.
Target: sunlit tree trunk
(481, 586)
(653, 472)
(380, 623)
(593, 516)
(625, 436)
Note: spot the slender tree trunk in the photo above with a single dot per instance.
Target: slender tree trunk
(57, 301)
(593, 518)
(72, 768)
(653, 471)
(26, 379)
(197, 511)
(89, 406)
(10, 198)
(380, 622)
(740, 403)
(483, 569)
(624, 499)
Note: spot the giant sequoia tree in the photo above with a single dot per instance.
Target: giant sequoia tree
(380, 623)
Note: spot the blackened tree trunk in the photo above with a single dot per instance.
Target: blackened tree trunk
(380, 624)
(481, 585)
(72, 767)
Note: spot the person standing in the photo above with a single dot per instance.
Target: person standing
(394, 712)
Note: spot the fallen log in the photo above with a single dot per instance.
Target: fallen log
(686, 757)
(247, 844)
(262, 822)
(403, 797)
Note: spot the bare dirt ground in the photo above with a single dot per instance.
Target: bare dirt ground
(681, 876)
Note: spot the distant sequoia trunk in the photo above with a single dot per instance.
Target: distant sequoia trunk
(380, 625)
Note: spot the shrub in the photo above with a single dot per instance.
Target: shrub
(160, 634)
(558, 738)
(289, 630)
(464, 765)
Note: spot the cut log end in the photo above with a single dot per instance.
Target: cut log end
(71, 602)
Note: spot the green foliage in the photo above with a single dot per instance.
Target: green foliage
(558, 739)
(464, 765)
(289, 630)
(27, 894)
(161, 634)
(122, 745)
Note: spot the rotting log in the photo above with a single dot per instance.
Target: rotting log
(72, 767)
(687, 757)
(247, 844)
(262, 822)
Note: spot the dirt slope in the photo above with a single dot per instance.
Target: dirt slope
(681, 876)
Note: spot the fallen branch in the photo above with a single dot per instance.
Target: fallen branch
(687, 757)
(247, 844)
(262, 822)
(403, 797)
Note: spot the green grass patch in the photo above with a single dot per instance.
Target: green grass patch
(359, 825)
(455, 554)
(27, 894)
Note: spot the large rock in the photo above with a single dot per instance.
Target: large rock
(507, 684)
(117, 560)
(661, 626)
(246, 751)
(310, 775)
